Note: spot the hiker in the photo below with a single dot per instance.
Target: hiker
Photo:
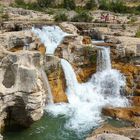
(107, 18)
(102, 17)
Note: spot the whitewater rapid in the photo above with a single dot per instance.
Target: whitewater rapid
(87, 99)
(51, 37)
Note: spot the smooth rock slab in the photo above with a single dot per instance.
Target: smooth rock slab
(105, 136)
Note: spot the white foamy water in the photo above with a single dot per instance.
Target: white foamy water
(86, 100)
(103, 59)
(51, 37)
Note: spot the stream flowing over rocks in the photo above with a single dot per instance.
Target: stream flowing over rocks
(55, 70)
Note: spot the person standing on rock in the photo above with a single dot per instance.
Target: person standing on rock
(107, 18)
(102, 17)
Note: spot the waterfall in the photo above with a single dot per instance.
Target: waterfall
(87, 99)
(71, 81)
(51, 37)
(109, 80)
(103, 59)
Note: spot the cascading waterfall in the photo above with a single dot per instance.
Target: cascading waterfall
(111, 81)
(50, 36)
(86, 100)
(103, 59)
(83, 112)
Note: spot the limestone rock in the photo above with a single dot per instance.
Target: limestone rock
(69, 28)
(129, 114)
(23, 96)
(56, 78)
(113, 40)
(110, 136)
(131, 72)
(1, 137)
(129, 132)
(86, 40)
(41, 48)
(135, 100)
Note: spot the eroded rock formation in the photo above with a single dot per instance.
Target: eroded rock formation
(23, 95)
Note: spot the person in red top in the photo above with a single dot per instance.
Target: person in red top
(102, 17)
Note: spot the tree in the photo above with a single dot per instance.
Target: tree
(61, 17)
(82, 17)
(90, 4)
(104, 5)
(46, 3)
(69, 4)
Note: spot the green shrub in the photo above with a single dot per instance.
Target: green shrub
(82, 17)
(20, 2)
(138, 8)
(61, 17)
(69, 4)
(1, 9)
(115, 6)
(133, 19)
(5, 16)
(46, 3)
(105, 5)
(138, 33)
(91, 4)
(30, 6)
(92, 58)
(118, 6)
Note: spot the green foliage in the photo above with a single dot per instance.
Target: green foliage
(82, 17)
(5, 16)
(92, 58)
(104, 5)
(91, 4)
(46, 3)
(1, 9)
(132, 20)
(61, 17)
(115, 6)
(69, 4)
(138, 8)
(19, 2)
(30, 6)
(138, 33)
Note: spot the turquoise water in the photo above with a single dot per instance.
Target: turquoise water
(48, 128)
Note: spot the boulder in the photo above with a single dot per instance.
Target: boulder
(93, 33)
(105, 136)
(86, 40)
(113, 40)
(129, 114)
(56, 78)
(131, 72)
(23, 96)
(135, 100)
(129, 132)
(69, 28)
